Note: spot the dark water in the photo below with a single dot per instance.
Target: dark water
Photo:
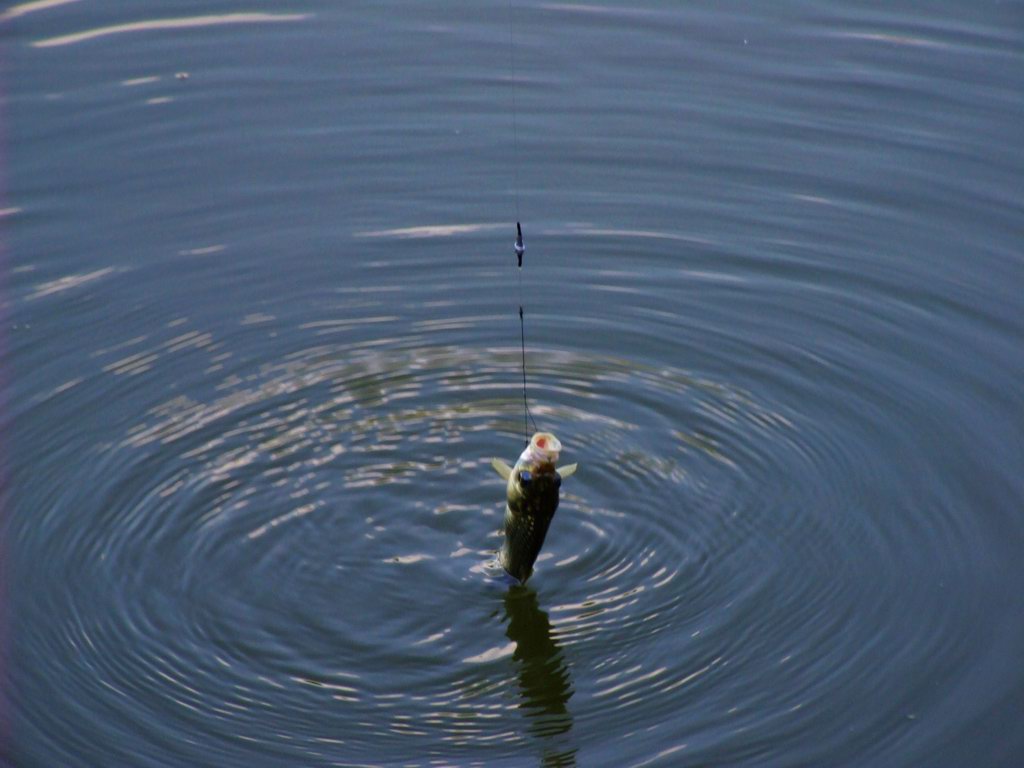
(261, 343)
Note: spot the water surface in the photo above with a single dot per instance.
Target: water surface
(261, 344)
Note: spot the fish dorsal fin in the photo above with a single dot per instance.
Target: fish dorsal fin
(567, 470)
(501, 468)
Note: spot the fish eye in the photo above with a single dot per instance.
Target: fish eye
(525, 478)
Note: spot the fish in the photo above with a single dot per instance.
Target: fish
(532, 493)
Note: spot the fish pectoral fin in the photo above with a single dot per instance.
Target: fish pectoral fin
(501, 468)
(568, 469)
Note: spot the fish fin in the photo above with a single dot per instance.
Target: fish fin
(568, 469)
(501, 468)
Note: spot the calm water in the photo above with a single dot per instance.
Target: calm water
(261, 342)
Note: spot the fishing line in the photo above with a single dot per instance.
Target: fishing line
(527, 416)
(519, 247)
(526, 405)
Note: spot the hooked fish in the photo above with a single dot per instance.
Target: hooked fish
(532, 498)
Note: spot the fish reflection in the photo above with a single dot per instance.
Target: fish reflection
(545, 685)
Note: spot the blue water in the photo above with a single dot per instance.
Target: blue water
(260, 344)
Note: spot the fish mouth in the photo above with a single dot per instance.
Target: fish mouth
(543, 448)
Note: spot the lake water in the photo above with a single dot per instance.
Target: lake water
(260, 343)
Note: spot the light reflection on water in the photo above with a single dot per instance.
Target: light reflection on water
(168, 24)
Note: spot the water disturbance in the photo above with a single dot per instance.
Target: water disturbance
(261, 345)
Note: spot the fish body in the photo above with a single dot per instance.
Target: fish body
(532, 494)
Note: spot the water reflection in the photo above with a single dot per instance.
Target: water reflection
(545, 685)
(165, 24)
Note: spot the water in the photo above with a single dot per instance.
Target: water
(261, 343)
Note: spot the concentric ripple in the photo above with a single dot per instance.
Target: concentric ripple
(298, 562)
